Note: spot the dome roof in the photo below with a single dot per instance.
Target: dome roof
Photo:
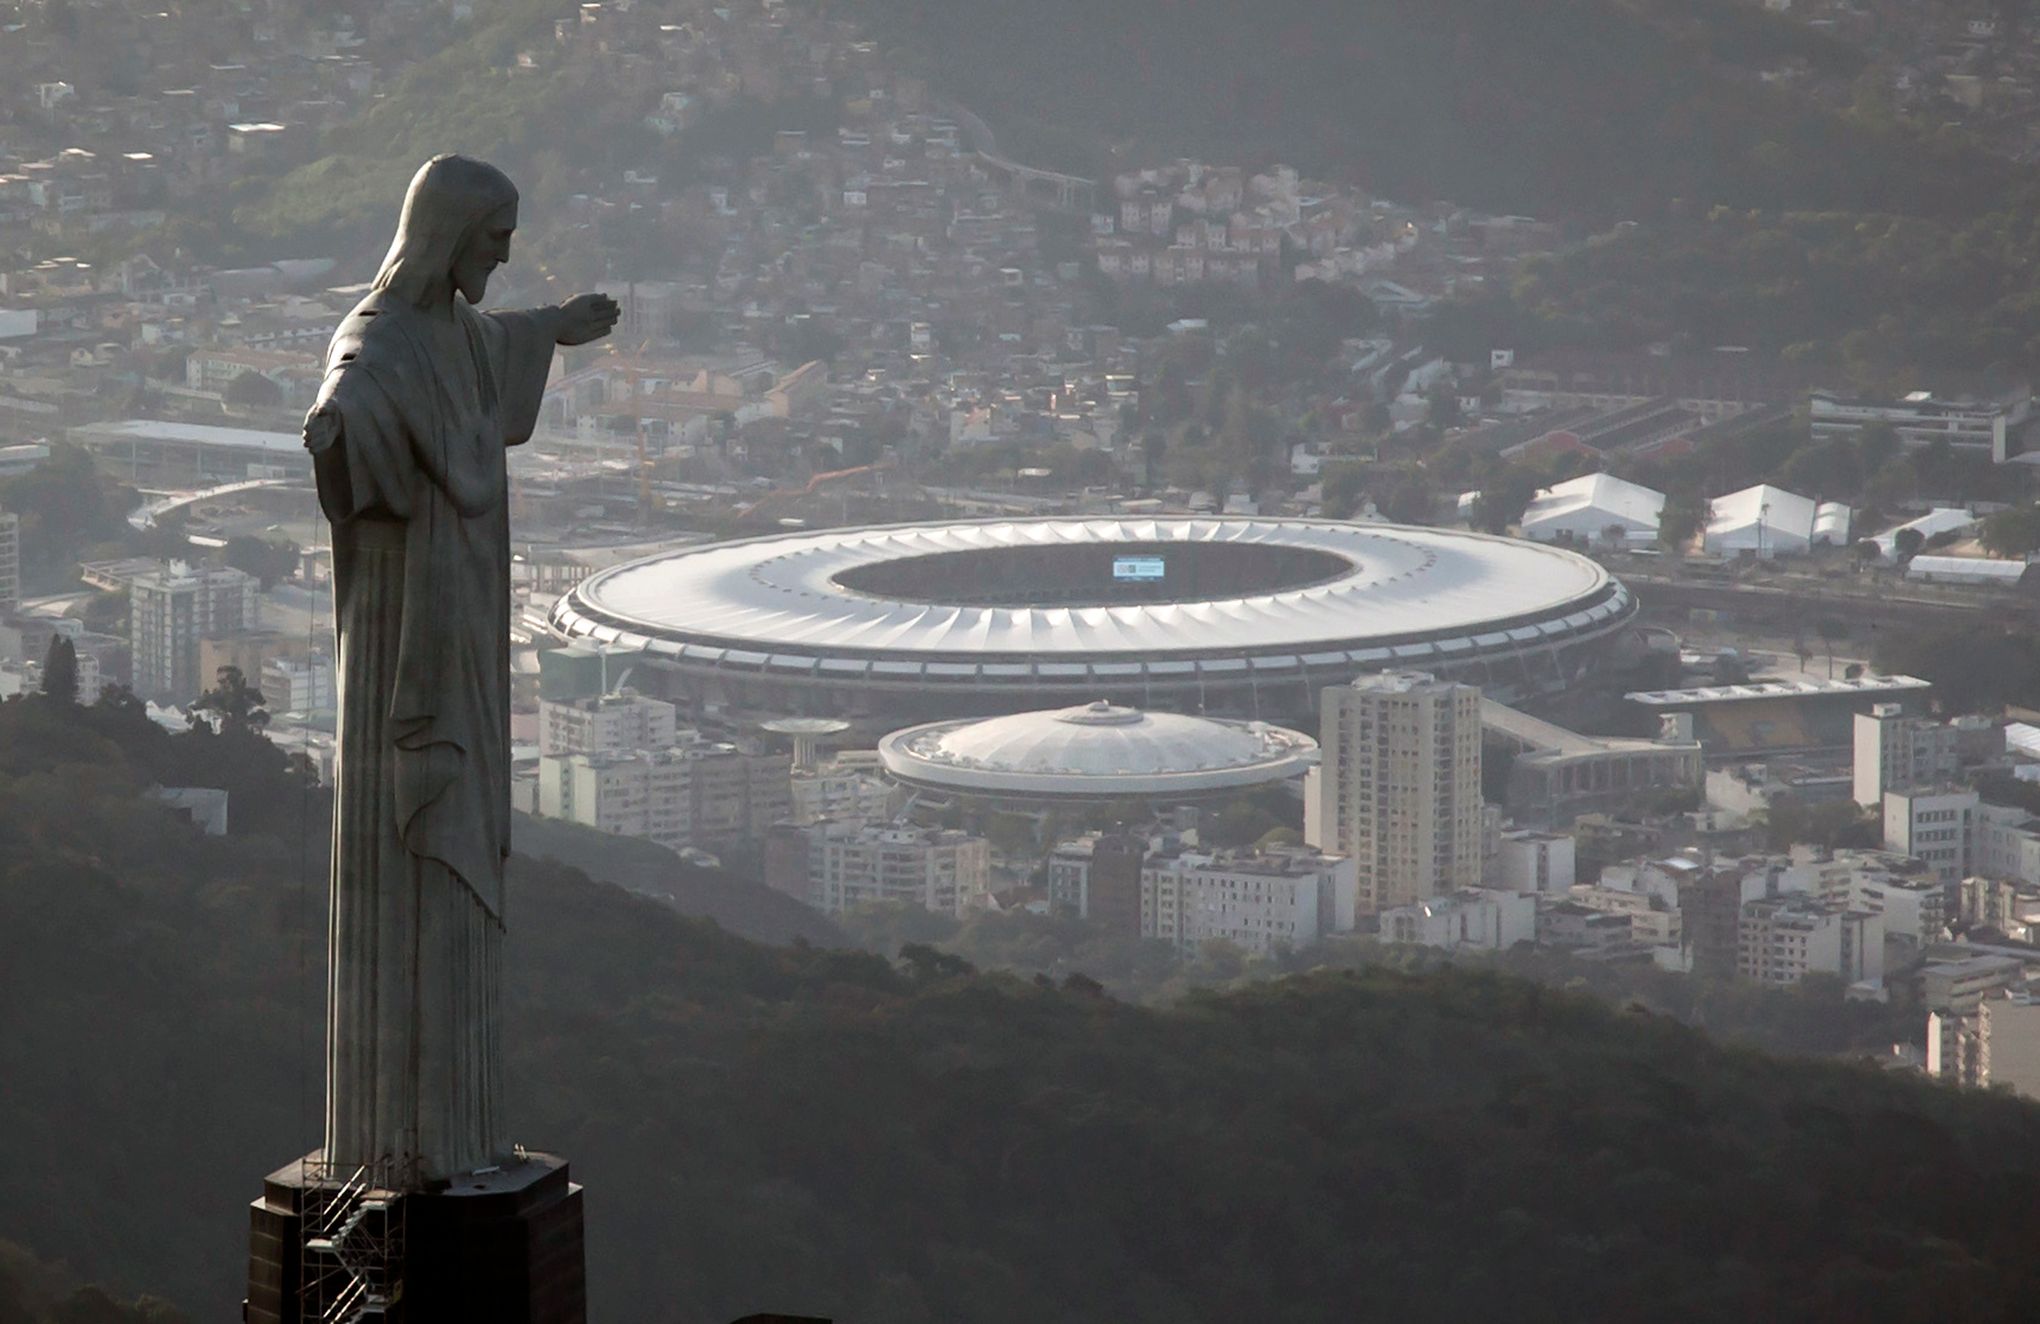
(1095, 750)
(806, 726)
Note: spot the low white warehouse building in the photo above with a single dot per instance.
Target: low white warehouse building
(1583, 510)
(1770, 521)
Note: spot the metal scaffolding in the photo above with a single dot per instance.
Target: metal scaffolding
(353, 1221)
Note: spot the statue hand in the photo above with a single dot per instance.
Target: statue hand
(322, 427)
(587, 317)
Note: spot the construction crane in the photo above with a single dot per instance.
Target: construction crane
(634, 376)
(774, 499)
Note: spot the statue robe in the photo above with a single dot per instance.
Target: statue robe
(416, 488)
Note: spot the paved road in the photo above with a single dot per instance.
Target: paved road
(1892, 605)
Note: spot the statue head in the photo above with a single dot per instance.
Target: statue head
(458, 216)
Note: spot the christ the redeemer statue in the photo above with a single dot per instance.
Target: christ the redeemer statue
(422, 394)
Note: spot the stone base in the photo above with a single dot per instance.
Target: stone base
(502, 1247)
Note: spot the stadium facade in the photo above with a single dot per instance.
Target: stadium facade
(1243, 617)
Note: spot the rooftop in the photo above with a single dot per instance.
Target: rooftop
(1776, 689)
(146, 429)
(1260, 864)
(1773, 507)
(1617, 498)
(1094, 750)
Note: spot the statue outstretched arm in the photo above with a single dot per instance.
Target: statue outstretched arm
(584, 318)
(522, 345)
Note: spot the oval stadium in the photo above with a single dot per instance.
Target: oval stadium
(1229, 616)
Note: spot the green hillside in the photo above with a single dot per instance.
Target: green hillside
(1593, 109)
(558, 129)
(1881, 303)
(819, 1130)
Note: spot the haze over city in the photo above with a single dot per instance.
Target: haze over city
(909, 662)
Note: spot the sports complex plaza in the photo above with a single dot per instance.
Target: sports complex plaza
(1229, 616)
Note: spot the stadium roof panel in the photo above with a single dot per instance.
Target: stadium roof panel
(1096, 749)
(201, 434)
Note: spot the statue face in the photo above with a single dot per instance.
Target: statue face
(487, 248)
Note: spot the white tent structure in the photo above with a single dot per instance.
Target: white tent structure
(1965, 570)
(1768, 521)
(1582, 509)
(1941, 519)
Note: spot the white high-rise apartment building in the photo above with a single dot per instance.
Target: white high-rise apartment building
(1258, 901)
(297, 685)
(611, 724)
(89, 681)
(842, 789)
(1783, 939)
(2006, 845)
(171, 609)
(835, 866)
(10, 561)
(1481, 918)
(1398, 790)
(1913, 902)
(1894, 752)
(1997, 1045)
(643, 794)
(1528, 861)
(739, 793)
(1935, 825)
(702, 794)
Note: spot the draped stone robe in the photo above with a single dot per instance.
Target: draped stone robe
(416, 489)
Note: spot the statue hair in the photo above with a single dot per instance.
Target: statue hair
(449, 196)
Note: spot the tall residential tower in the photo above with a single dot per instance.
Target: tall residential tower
(10, 561)
(175, 607)
(1399, 786)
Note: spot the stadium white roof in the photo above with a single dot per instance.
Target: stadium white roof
(201, 434)
(1097, 749)
(1406, 595)
(1590, 503)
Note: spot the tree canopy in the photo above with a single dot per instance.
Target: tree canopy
(252, 388)
(2011, 533)
(1976, 666)
(66, 506)
(235, 704)
(267, 560)
(60, 670)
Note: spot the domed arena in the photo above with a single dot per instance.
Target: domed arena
(1095, 751)
(1244, 617)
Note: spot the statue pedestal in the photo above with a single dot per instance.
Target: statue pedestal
(501, 1246)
